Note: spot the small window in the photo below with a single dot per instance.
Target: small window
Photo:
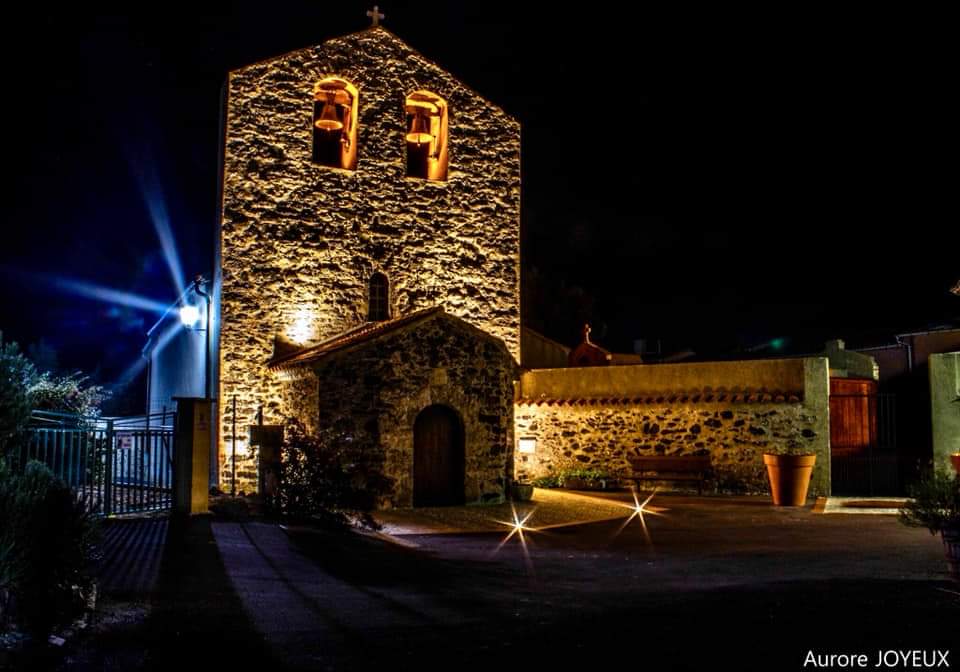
(335, 123)
(426, 137)
(378, 308)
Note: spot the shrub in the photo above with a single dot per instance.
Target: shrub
(324, 479)
(47, 547)
(547, 482)
(934, 503)
(67, 394)
(16, 376)
(585, 474)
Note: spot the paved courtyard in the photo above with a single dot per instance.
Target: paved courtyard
(696, 584)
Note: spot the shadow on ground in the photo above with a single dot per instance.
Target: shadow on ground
(171, 572)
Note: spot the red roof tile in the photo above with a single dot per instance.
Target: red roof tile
(365, 332)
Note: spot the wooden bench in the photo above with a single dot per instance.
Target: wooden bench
(674, 468)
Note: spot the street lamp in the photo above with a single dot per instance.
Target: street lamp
(189, 315)
(198, 283)
(191, 318)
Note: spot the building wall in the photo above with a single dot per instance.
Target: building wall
(611, 413)
(176, 368)
(369, 398)
(945, 409)
(300, 241)
(540, 352)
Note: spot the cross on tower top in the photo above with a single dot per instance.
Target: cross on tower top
(375, 15)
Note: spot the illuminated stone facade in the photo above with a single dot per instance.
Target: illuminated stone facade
(605, 436)
(599, 417)
(299, 242)
(373, 391)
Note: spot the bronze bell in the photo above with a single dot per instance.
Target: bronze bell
(419, 129)
(328, 120)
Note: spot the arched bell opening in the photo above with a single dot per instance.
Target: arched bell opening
(335, 123)
(426, 136)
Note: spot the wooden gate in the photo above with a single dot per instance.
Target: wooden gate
(438, 458)
(864, 458)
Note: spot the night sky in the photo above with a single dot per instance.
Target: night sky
(714, 181)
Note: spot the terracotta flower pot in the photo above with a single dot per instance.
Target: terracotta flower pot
(521, 492)
(789, 477)
(951, 548)
(955, 460)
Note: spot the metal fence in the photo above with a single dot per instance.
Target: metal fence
(119, 465)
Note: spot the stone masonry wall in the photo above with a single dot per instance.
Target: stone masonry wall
(370, 397)
(300, 241)
(625, 411)
(735, 437)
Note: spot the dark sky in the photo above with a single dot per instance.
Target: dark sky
(715, 181)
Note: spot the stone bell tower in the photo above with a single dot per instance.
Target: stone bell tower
(361, 182)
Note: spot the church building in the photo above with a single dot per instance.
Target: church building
(368, 282)
(369, 266)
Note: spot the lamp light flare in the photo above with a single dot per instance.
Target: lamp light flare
(638, 510)
(189, 315)
(153, 198)
(90, 290)
(301, 329)
(162, 341)
(517, 527)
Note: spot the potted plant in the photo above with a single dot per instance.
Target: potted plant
(789, 474)
(935, 504)
(521, 491)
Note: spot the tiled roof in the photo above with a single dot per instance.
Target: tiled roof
(691, 397)
(355, 336)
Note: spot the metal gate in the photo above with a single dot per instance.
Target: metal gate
(872, 467)
(118, 465)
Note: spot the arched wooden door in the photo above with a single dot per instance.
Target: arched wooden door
(438, 458)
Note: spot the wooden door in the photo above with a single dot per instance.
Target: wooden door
(853, 416)
(438, 458)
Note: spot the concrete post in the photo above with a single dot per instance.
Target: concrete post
(944, 407)
(191, 456)
(816, 401)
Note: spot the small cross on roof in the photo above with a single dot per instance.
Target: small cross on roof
(375, 15)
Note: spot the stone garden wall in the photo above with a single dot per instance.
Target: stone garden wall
(598, 417)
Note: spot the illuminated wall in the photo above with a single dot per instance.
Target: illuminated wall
(598, 417)
(299, 241)
(380, 387)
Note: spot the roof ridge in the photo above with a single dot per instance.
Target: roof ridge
(365, 330)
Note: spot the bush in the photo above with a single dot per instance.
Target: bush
(67, 394)
(47, 547)
(16, 376)
(323, 479)
(547, 482)
(586, 475)
(934, 503)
